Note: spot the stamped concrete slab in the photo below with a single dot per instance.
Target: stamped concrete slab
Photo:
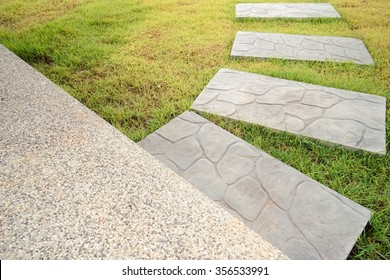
(298, 215)
(73, 187)
(352, 119)
(301, 47)
(286, 10)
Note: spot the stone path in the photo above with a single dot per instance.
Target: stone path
(303, 218)
(290, 10)
(300, 47)
(352, 119)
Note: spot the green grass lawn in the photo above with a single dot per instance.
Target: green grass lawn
(140, 63)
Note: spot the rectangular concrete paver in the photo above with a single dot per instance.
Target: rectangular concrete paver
(352, 119)
(286, 10)
(73, 187)
(300, 47)
(298, 215)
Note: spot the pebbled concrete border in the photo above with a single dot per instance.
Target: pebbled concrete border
(73, 187)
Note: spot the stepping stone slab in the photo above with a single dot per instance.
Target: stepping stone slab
(300, 47)
(352, 119)
(284, 10)
(298, 215)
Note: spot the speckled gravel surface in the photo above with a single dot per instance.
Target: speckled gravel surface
(73, 187)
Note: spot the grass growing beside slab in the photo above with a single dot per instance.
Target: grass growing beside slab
(138, 64)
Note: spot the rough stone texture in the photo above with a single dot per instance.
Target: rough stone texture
(301, 47)
(352, 119)
(301, 217)
(286, 10)
(73, 187)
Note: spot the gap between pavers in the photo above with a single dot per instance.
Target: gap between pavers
(298, 215)
(352, 119)
(300, 47)
(286, 10)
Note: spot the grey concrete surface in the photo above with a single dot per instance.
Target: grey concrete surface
(286, 10)
(301, 47)
(298, 215)
(352, 119)
(73, 187)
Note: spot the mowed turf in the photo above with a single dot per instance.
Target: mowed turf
(138, 64)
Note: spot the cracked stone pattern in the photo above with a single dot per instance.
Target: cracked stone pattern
(298, 215)
(300, 47)
(291, 10)
(355, 120)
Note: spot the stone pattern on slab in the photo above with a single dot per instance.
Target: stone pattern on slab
(73, 187)
(298, 215)
(352, 119)
(286, 10)
(300, 47)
